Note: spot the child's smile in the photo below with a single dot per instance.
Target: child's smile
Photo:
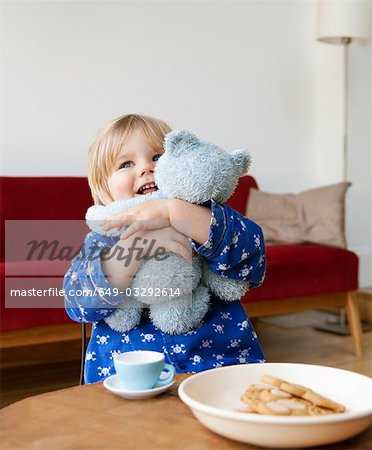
(147, 188)
(133, 173)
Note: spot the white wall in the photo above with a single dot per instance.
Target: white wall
(244, 74)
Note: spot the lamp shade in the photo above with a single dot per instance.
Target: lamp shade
(340, 19)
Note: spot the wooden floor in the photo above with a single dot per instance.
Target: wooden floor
(303, 345)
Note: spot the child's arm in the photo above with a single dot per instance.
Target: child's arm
(181, 213)
(89, 297)
(233, 245)
(145, 243)
(96, 282)
(162, 213)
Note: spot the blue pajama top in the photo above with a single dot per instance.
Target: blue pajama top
(235, 249)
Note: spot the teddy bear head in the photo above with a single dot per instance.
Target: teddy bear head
(196, 170)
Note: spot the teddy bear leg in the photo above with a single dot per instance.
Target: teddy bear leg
(225, 288)
(124, 319)
(181, 315)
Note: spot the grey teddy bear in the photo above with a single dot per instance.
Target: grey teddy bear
(196, 171)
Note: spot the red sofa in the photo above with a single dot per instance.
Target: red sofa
(37, 198)
(298, 276)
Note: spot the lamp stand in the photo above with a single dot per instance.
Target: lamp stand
(337, 323)
(341, 322)
(343, 23)
(345, 42)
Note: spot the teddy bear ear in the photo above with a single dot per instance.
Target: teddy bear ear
(242, 160)
(178, 140)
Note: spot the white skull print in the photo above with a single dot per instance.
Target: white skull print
(178, 348)
(103, 371)
(148, 337)
(196, 359)
(218, 328)
(102, 340)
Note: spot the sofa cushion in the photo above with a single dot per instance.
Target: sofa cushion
(316, 215)
(306, 270)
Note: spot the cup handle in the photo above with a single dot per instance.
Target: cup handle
(170, 376)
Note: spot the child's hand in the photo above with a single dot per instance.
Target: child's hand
(146, 216)
(169, 238)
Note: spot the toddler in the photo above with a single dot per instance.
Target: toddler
(122, 161)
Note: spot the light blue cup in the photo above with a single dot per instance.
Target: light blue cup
(141, 369)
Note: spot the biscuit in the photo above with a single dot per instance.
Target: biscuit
(279, 407)
(247, 410)
(279, 397)
(324, 402)
(271, 407)
(294, 389)
(250, 395)
(253, 392)
(319, 411)
(310, 395)
(272, 380)
(284, 407)
(297, 406)
(273, 394)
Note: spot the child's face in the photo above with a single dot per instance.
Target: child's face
(134, 168)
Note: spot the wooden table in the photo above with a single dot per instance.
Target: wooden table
(90, 417)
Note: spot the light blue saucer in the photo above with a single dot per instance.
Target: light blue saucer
(114, 385)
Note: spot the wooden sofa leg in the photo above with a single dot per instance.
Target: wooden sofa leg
(354, 321)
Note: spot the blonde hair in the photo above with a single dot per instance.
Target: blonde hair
(108, 143)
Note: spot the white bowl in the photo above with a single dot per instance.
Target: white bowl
(214, 395)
